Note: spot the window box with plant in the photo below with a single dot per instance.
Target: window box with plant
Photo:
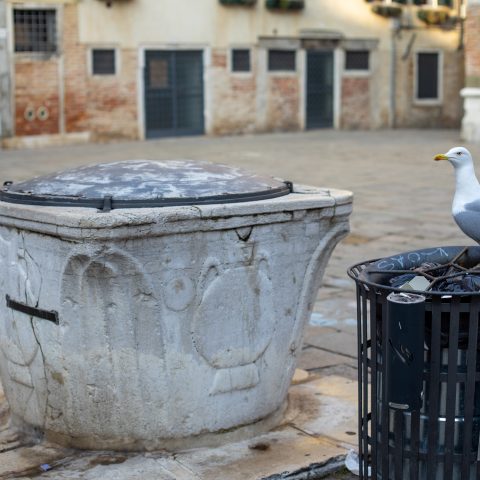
(434, 15)
(285, 4)
(387, 11)
(246, 3)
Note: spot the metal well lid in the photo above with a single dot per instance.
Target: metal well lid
(145, 183)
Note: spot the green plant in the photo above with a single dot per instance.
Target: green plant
(433, 16)
(238, 2)
(387, 10)
(285, 4)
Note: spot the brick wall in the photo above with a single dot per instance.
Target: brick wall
(105, 105)
(355, 107)
(36, 87)
(472, 46)
(283, 103)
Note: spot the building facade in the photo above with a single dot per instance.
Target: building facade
(150, 68)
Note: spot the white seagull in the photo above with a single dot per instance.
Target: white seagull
(466, 202)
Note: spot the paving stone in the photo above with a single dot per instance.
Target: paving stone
(286, 450)
(313, 432)
(28, 460)
(336, 341)
(338, 409)
(313, 358)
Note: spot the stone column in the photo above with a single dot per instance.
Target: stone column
(6, 128)
(471, 92)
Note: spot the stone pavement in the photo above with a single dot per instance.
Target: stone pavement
(402, 202)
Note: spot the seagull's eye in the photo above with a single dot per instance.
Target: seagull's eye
(459, 153)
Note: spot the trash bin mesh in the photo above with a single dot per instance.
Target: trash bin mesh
(439, 441)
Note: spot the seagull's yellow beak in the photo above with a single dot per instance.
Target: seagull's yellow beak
(440, 156)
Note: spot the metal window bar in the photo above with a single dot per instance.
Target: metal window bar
(240, 60)
(35, 30)
(103, 61)
(357, 60)
(281, 60)
(440, 441)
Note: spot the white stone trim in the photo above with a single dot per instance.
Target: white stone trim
(79, 223)
(208, 91)
(302, 92)
(359, 72)
(247, 74)
(282, 73)
(105, 46)
(471, 118)
(338, 64)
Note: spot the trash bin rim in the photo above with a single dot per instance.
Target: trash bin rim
(358, 271)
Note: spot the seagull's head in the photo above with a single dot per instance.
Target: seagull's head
(457, 156)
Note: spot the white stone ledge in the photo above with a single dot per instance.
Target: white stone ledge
(470, 92)
(81, 223)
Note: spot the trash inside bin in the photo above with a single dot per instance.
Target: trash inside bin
(419, 367)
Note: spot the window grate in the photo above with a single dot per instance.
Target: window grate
(357, 60)
(35, 30)
(427, 76)
(103, 61)
(240, 60)
(281, 60)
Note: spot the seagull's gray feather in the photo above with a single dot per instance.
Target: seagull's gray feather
(473, 206)
(469, 222)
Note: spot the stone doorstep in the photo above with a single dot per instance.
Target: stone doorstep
(318, 430)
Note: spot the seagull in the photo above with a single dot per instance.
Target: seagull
(466, 201)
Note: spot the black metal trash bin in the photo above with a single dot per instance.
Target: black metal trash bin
(434, 436)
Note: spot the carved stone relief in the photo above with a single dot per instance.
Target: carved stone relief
(112, 336)
(234, 322)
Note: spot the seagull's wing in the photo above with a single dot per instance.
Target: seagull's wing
(473, 207)
(469, 220)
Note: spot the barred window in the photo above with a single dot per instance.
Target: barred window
(35, 30)
(103, 61)
(240, 60)
(427, 76)
(357, 60)
(281, 60)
